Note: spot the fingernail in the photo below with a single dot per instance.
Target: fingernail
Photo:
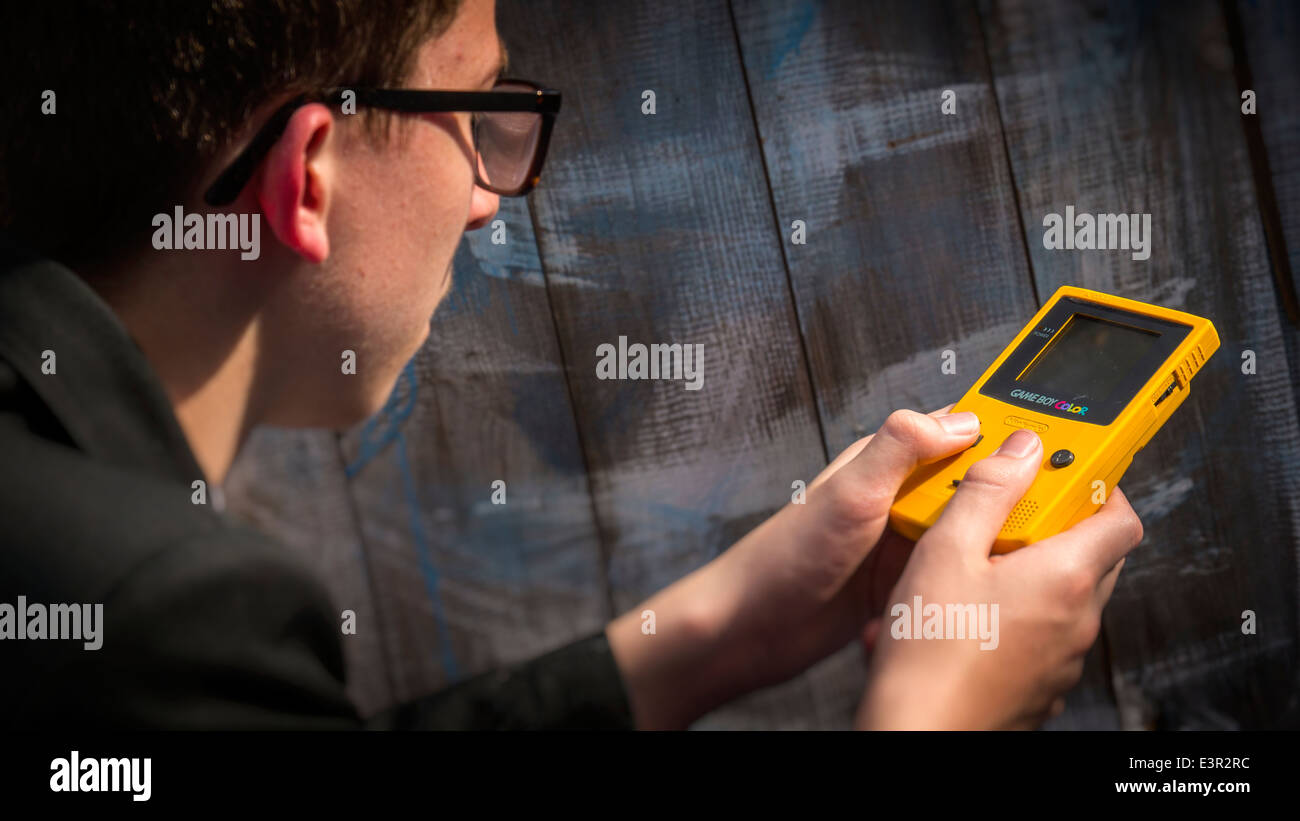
(960, 424)
(1019, 444)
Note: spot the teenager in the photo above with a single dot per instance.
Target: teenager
(132, 366)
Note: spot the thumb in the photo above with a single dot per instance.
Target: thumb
(978, 509)
(908, 439)
(851, 452)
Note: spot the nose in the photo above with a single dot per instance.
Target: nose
(482, 208)
(483, 203)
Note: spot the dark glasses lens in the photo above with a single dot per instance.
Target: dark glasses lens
(507, 144)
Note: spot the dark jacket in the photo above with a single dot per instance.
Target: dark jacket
(206, 623)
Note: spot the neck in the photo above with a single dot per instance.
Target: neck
(199, 329)
(218, 414)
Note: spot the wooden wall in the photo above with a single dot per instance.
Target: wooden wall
(923, 235)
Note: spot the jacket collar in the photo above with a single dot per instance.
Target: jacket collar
(103, 391)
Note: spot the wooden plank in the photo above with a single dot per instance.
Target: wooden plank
(1268, 63)
(1263, 37)
(1116, 108)
(291, 485)
(910, 212)
(465, 585)
(913, 245)
(657, 227)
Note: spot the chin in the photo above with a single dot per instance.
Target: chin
(344, 403)
(341, 412)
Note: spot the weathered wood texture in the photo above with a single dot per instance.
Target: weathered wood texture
(909, 211)
(1134, 108)
(467, 584)
(292, 485)
(1268, 62)
(657, 228)
(923, 236)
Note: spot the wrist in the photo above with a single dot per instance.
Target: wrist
(897, 700)
(884, 705)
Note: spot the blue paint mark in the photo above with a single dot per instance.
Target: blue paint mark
(720, 492)
(380, 431)
(427, 568)
(395, 411)
(793, 37)
(685, 519)
(470, 291)
(482, 270)
(472, 280)
(625, 395)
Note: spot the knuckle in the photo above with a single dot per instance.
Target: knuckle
(1089, 629)
(1135, 529)
(903, 425)
(1130, 524)
(1073, 674)
(987, 475)
(1079, 586)
(1075, 585)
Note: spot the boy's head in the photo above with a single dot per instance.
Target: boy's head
(360, 215)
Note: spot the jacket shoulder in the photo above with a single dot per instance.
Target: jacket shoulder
(205, 622)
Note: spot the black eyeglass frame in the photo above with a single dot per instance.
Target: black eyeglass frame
(544, 101)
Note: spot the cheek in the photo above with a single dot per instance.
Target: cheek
(444, 187)
(402, 217)
(440, 201)
(413, 200)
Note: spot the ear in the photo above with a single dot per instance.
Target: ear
(296, 180)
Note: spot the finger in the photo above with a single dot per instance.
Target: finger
(991, 487)
(888, 560)
(851, 452)
(1107, 584)
(1100, 540)
(905, 440)
(848, 455)
(869, 635)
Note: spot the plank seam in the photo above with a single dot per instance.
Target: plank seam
(776, 221)
(602, 545)
(1104, 649)
(354, 516)
(1006, 152)
(1265, 197)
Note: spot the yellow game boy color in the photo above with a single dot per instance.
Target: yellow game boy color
(1095, 376)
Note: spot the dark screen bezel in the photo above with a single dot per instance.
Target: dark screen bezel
(1002, 381)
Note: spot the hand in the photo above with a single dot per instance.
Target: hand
(795, 589)
(1049, 595)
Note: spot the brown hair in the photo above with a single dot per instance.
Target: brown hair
(146, 92)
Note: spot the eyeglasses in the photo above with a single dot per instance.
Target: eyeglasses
(511, 125)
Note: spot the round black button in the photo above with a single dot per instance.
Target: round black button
(1062, 458)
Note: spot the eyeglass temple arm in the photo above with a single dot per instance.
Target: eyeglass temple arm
(231, 182)
(227, 187)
